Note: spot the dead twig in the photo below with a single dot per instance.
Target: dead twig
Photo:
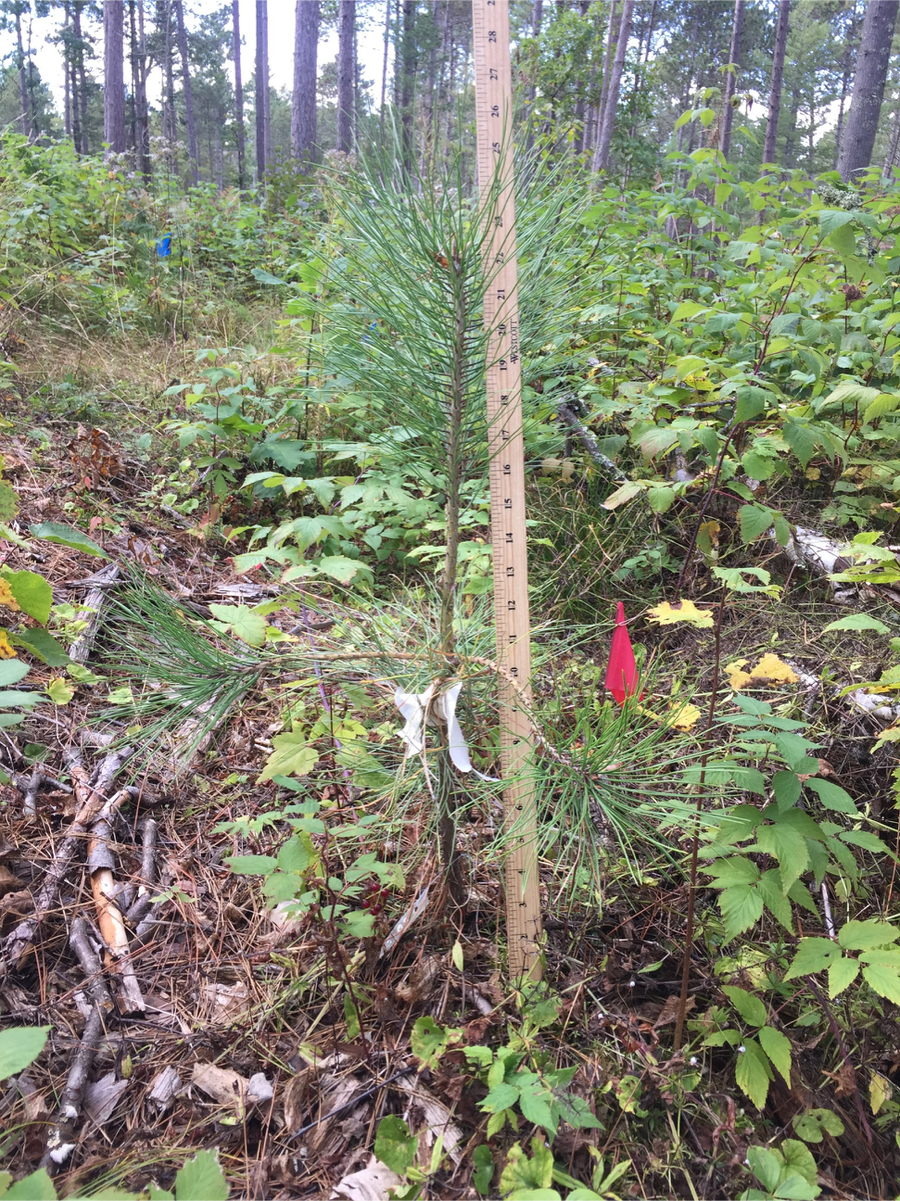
(91, 610)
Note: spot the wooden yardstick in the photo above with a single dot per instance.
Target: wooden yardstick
(493, 111)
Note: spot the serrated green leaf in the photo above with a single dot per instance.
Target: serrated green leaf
(813, 955)
(752, 1073)
(832, 796)
(429, 1041)
(741, 908)
(841, 975)
(858, 621)
(790, 849)
(246, 625)
(787, 788)
(251, 865)
(42, 645)
(9, 505)
(883, 979)
(750, 1008)
(522, 1172)
(778, 1048)
(865, 936)
(755, 520)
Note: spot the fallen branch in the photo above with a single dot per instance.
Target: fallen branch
(91, 610)
(61, 1140)
(91, 798)
(149, 837)
(109, 916)
(589, 442)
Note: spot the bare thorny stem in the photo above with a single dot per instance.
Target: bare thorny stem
(695, 842)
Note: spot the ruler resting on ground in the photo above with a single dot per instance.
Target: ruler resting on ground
(493, 109)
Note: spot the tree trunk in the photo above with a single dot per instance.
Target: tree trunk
(132, 55)
(23, 84)
(604, 142)
(607, 65)
(781, 32)
(142, 109)
(67, 110)
(407, 72)
(238, 90)
(737, 26)
(845, 84)
(868, 87)
(188, 95)
(346, 25)
(114, 75)
(170, 129)
(79, 120)
(262, 89)
(303, 101)
(384, 63)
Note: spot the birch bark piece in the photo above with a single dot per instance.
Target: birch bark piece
(90, 610)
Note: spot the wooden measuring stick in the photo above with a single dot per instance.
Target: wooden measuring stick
(493, 111)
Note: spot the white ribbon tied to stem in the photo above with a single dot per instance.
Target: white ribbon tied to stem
(418, 708)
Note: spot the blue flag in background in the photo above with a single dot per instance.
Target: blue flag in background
(164, 246)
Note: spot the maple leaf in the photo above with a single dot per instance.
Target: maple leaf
(770, 670)
(684, 611)
(685, 717)
(737, 677)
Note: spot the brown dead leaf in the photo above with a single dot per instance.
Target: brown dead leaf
(369, 1184)
(669, 1011)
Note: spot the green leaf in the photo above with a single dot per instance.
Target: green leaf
(755, 520)
(660, 499)
(866, 840)
(292, 756)
(833, 797)
(778, 1048)
(429, 1041)
(622, 495)
(884, 979)
(266, 277)
(524, 1173)
(246, 625)
(32, 592)
(813, 955)
(202, 1179)
(834, 219)
(9, 505)
(787, 788)
(789, 848)
(36, 1187)
(484, 1169)
(775, 900)
(342, 569)
(766, 1166)
(502, 1096)
(395, 1147)
(810, 1125)
(297, 853)
(858, 621)
(751, 1008)
(753, 1073)
(358, 924)
(865, 936)
(19, 1047)
(798, 1159)
(64, 535)
(19, 700)
(251, 865)
(751, 402)
(60, 692)
(42, 645)
(884, 403)
(757, 466)
(801, 440)
(741, 908)
(841, 975)
(12, 671)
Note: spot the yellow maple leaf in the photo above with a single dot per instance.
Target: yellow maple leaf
(6, 596)
(684, 717)
(669, 615)
(6, 651)
(737, 677)
(771, 669)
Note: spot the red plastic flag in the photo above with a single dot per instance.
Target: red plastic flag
(621, 671)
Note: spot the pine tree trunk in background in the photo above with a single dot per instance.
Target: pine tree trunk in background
(188, 94)
(406, 68)
(303, 101)
(384, 64)
(67, 72)
(868, 87)
(845, 84)
(78, 68)
(170, 128)
(262, 89)
(580, 123)
(114, 75)
(604, 141)
(537, 17)
(346, 26)
(238, 91)
(23, 85)
(143, 114)
(611, 29)
(132, 58)
(891, 158)
(431, 86)
(737, 26)
(781, 32)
